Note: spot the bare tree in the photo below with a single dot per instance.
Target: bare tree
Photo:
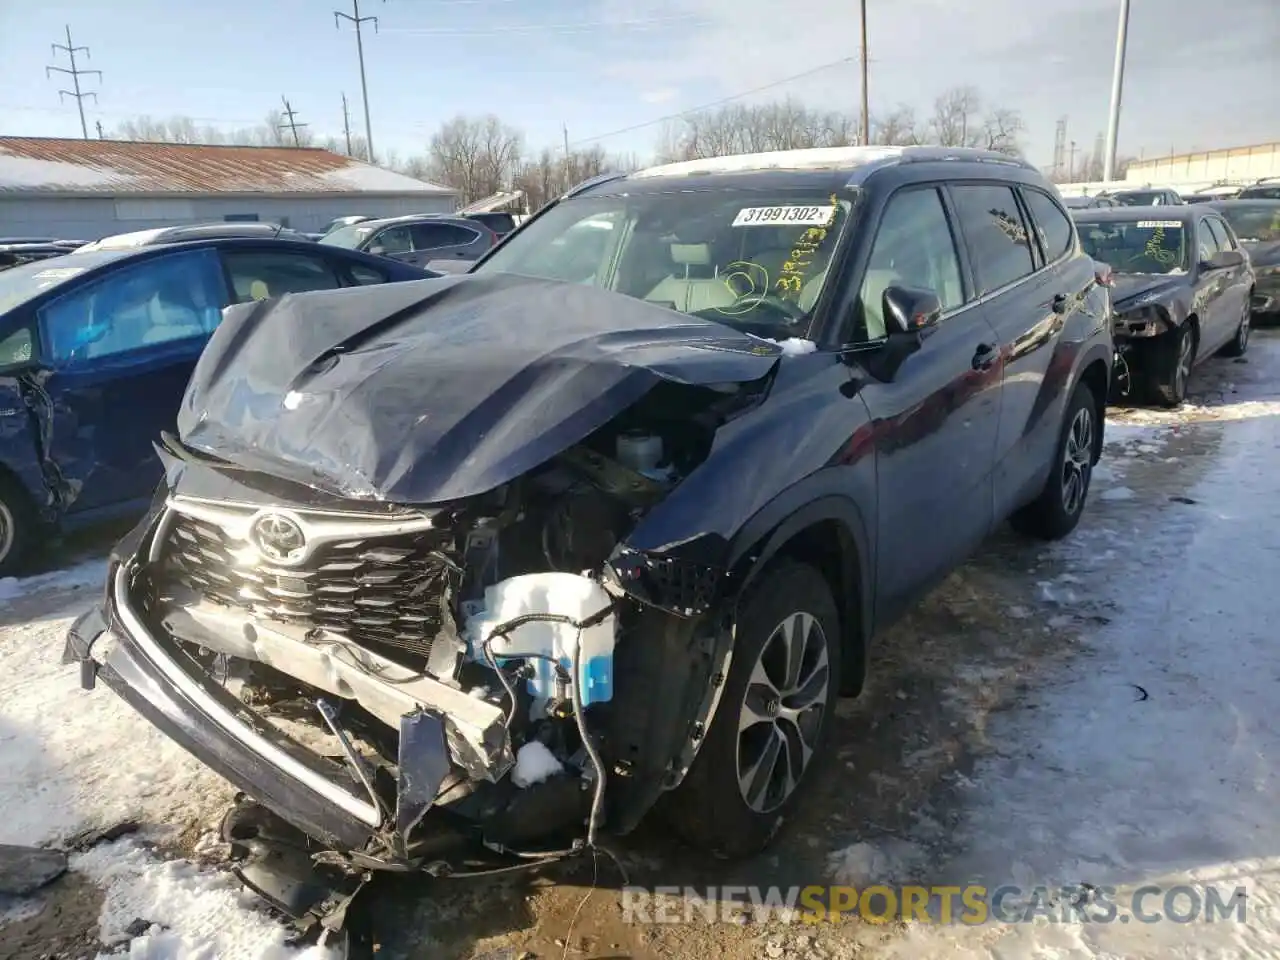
(180, 129)
(956, 118)
(739, 128)
(898, 128)
(477, 156)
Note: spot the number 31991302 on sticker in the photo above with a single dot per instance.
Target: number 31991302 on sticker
(784, 216)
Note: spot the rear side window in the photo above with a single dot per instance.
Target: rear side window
(259, 274)
(362, 275)
(497, 222)
(999, 245)
(162, 300)
(432, 236)
(1260, 193)
(17, 348)
(1053, 226)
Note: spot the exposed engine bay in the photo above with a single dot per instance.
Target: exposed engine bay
(492, 663)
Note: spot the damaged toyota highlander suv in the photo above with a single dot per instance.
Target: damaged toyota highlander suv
(498, 562)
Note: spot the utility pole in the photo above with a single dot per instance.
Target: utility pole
(565, 129)
(75, 72)
(356, 19)
(866, 102)
(291, 123)
(1117, 88)
(1059, 146)
(1071, 164)
(346, 123)
(101, 135)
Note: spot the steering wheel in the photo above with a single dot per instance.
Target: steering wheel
(750, 302)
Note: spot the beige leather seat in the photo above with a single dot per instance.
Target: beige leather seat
(691, 294)
(874, 284)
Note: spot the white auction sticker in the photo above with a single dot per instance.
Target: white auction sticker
(795, 216)
(1156, 224)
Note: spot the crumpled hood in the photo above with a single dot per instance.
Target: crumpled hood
(1128, 287)
(434, 390)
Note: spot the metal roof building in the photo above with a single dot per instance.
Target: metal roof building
(86, 189)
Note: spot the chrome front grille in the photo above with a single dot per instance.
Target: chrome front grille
(383, 582)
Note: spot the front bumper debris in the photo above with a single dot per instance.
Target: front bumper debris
(160, 681)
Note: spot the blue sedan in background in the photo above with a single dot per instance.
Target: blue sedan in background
(96, 348)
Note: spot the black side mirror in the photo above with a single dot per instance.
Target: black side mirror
(910, 314)
(1223, 260)
(910, 310)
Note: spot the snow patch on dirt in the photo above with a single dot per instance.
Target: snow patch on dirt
(72, 760)
(91, 573)
(192, 912)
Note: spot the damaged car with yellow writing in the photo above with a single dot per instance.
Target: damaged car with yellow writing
(1183, 291)
(482, 568)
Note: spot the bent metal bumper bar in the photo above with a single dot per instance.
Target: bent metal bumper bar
(212, 724)
(160, 681)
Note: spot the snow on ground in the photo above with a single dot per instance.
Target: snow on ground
(72, 761)
(89, 573)
(1152, 757)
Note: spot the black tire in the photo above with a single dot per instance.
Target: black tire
(17, 527)
(1239, 345)
(709, 809)
(1056, 511)
(1171, 361)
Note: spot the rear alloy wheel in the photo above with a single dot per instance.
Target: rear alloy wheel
(771, 726)
(15, 527)
(1239, 346)
(1057, 510)
(1173, 360)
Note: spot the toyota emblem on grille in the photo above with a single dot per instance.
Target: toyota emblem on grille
(277, 537)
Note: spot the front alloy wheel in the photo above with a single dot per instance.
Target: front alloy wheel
(1174, 358)
(782, 712)
(769, 731)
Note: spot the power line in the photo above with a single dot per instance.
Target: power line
(577, 27)
(357, 20)
(292, 124)
(75, 73)
(721, 102)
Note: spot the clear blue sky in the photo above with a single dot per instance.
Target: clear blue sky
(1196, 80)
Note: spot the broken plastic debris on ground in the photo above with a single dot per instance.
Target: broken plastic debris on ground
(1145, 759)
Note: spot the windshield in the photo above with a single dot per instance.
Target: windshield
(349, 237)
(751, 259)
(1140, 246)
(1259, 222)
(1138, 198)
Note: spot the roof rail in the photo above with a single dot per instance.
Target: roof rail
(933, 154)
(589, 183)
